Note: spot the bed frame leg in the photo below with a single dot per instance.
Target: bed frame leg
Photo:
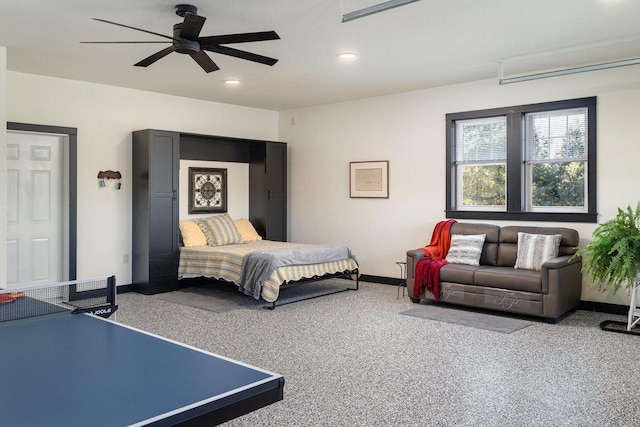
(273, 304)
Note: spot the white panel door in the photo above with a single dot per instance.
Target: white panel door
(35, 210)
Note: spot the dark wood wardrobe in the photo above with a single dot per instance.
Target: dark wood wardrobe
(156, 162)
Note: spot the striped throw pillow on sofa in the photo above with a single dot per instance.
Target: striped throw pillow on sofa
(536, 249)
(466, 249)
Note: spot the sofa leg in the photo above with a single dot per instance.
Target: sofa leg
(415, 300)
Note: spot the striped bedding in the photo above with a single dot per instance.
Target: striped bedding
(225, 263)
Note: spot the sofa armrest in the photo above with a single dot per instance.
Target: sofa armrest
(562, 261)
(413, 256)
(561, 285)
(561, 271)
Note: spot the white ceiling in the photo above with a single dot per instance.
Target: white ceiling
(420, 45)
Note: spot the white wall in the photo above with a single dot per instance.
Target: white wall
(408, 129)
(3, 166)
(105, 116)
(237, 187)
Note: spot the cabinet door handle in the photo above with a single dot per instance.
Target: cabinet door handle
(175, 194)
(268, 194)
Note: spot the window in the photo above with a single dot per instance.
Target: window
(555, 160)
(481, 163)
(531, 162)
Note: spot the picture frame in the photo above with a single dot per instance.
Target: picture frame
(207, 190)
(369, 179)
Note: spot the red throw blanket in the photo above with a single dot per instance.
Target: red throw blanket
(427, 272)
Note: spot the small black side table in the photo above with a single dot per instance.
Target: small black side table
(403, 277)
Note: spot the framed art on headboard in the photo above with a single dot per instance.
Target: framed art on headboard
(369, 179)
(207, 190)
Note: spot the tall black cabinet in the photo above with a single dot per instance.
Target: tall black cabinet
(268, 190)
(156, 163)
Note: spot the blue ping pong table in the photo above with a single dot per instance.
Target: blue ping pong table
(67, 369)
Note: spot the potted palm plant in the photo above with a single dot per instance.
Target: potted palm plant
(612, 258)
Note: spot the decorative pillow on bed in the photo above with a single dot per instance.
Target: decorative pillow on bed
(246, 230)
(219, 230)
(191, 233)
(466, 249)
(536, 249)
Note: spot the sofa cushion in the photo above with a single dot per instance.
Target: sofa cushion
(457, 273)
(508, 250)
(466, 249)
(536, 249)
(490, 249)
(509, 278)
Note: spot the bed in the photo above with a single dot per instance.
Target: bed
(259, 267)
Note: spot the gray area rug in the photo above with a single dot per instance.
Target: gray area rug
(505, 325)
(220, 297)
(216, 297)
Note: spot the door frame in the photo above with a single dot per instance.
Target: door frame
(72, 134)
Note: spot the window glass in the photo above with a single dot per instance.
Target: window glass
(481, 155)
(556, 160)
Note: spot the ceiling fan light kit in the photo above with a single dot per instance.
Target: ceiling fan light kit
(186, 40)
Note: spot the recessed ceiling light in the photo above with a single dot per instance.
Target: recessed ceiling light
(232, 82)
(347, 55)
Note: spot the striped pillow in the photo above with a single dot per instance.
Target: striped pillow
(219, 230)
(466, 249)
(536, 249)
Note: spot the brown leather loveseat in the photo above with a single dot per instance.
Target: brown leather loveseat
(495, 284)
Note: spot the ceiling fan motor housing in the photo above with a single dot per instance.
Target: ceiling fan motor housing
(182, 45)
(181, 9)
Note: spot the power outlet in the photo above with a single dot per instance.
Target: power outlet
(125, 259)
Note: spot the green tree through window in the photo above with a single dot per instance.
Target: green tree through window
(556, 143)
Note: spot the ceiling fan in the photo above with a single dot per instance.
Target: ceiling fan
(186, 39)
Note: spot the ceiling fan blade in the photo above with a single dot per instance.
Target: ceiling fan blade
(240, 38)
(191, 26)
(224, 50)
(153, 58)
(204, 61)
(133, 28)
(126, 42)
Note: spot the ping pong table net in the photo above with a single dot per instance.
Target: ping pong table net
(95, 296)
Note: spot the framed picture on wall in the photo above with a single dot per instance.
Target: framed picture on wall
(369, 179)
(207, 190)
